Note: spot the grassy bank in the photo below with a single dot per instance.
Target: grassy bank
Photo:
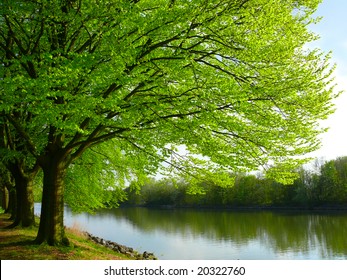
(17, 244)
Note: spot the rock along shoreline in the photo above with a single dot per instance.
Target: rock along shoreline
(128, 251)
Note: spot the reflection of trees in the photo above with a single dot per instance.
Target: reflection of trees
(283, 232)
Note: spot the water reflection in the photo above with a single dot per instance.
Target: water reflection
(194, 234)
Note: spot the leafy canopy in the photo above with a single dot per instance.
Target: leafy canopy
(229, 80)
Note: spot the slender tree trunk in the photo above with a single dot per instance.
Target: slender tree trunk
(51, 229)
(9, 195)
(4, 197)
(12, 203)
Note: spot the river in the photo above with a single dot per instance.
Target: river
(180, 234)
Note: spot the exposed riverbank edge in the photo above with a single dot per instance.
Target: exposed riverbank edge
(128, 251)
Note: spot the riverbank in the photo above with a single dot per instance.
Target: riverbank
(255, 208)
(17, 244)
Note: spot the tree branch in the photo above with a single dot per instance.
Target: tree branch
(21, 131)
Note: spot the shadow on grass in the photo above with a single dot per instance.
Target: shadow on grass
(16, 250)
(18, 243)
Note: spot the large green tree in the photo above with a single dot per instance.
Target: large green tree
(230, 80)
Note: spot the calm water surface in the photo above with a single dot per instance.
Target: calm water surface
(206, 234)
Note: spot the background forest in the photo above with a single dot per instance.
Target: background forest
(323, 185)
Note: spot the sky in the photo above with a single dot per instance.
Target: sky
(332, 30)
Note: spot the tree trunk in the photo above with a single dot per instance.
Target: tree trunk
(4, 197)
(9, 196)
(24, 210)
(12, 203)
(25, 202)
(51, 228)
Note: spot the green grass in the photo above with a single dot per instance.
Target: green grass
(17, 244)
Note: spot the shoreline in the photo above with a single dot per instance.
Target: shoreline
(122, 249)
(307, 209)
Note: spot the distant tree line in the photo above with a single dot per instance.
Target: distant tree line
(326, 186)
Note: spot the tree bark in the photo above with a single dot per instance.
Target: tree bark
(24, 210)
(51, 229)
(4, 197)
(8, 194)
(12, 202)
(25, 202)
